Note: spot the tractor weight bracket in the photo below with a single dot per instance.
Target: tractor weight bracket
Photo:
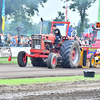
(37, 56)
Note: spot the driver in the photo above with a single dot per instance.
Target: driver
(57, 34)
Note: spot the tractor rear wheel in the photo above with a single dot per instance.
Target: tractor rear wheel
(70, 52)
(22, 59)
(52, 60)
(38, 62)
(92, 61)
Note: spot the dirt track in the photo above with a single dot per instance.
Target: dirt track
(52, 91)
(14, 71)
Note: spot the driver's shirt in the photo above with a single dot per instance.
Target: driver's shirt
(57, 34)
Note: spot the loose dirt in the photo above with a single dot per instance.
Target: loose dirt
(83, 90)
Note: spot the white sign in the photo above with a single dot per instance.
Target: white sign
(37, 46)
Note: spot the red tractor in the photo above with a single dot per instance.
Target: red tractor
(44, 52)
(93, 51)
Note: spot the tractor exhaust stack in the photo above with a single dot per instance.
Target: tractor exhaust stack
(41, 26)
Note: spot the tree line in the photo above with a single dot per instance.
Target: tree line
(21, 11)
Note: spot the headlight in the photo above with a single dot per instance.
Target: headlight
(40, 37)
(32, 36)
(64, 38)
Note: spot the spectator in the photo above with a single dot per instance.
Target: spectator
(10, 34)
(94, 35)
(83, 42)
(19, 42)
(73, 33)
(70, 31)
(22, 39)
(8, 39)
(90, 41)
(25, 42)
(78, 39)
(86, 42)
(2, 38)
(16, 38)
(13, 41)
(29, 42)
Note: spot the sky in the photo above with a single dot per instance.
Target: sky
(51, 7)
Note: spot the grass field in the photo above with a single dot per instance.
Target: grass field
(46, 80)
(4, 60)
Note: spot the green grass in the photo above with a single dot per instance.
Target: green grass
(46, 80)
(8, 62)
(7, 58)
(4, 60)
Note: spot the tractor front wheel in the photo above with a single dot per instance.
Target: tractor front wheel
(52, 60)
(22, 59)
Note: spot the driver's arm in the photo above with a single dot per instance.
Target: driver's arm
(56, 31)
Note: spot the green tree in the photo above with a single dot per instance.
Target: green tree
(82, 6)
(12, 7)
(60, 17)
(23, 21)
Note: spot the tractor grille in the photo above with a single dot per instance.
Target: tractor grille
(36, 44)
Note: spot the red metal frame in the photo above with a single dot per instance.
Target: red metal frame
(38, 53)
(53, 22)
(24, 58)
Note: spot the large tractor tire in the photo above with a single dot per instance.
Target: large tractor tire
(52, 61)
(38, 62)
(22, 59)
(70, 52)
(92, 61)
(63, 47)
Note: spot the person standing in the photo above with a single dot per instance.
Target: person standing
(25, 42)
(83, 42)
(29, 41)
(0, 39)
(22, 39)
(70, 31)
(13, 41)
(16, 38)
(19, 42)
(90, 41)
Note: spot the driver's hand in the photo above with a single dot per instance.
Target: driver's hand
(59, 39)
